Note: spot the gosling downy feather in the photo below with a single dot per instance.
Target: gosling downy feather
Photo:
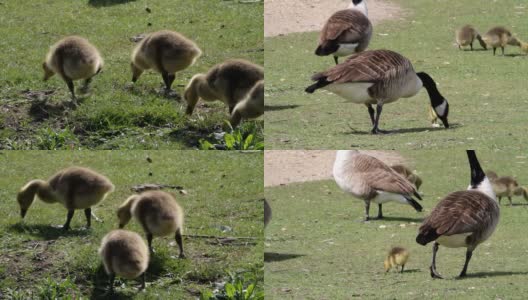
(73, 58)
(228, 82)
(500, 37)
(166, 52)
(158, 213)
(408, 174)
(74, 188)
(252, 106)
(466, 35)
(346, 32)
(397, 256)
(463, 218)
(371, 180)
(379, 77)
(124, 254)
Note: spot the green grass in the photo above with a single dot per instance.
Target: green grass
(318, 248)
(486, 95)
(112, 115)
(33, 251)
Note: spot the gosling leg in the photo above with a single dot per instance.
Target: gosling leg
(66, 225)
(88, 214)
(179, 241)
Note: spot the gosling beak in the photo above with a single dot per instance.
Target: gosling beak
(23, 213)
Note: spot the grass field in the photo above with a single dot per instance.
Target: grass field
(38, 261)
(488, 103)
(318, 248)
(36, 115)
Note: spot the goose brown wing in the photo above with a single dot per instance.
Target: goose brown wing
(460, 212)
(381, 177)
(369, 66)
(351, 23)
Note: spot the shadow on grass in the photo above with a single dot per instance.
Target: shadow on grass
(475, 50)
(101, 282)
(404, 130)
(41, 110)
(99, 3)
(273, 256)
(46, 231)
(400, 219)
(492, 274)
(514, 204)
(279, 107)
(191, 135)
(514, 54)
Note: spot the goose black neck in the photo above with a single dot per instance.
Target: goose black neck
(430, 86)
(356, 2)
(477, 174)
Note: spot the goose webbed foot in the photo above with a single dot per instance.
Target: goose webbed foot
(435, 274)
(379, 131)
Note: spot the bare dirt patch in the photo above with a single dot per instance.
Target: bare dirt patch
(288, 166)
(288, 16)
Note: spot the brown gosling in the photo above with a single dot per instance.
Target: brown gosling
(521, 191)
(504, 186)
(228, 82)
(267, 213)
(252, 106)
(124, 254)
(397, 256)
(410, 175)
(500, 37)
(466, 36)
(167, 52)
(73, 58)
(158, 213)
(74, 188)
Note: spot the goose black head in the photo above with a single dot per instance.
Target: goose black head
(438, 102)
(477, 174)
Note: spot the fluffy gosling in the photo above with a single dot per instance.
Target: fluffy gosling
(410, 175)
(250, 107)
(73, 58)
(500, 37)
(158, 213)
(124, 254)
(167, 52)
(397, 256)
(466, 36)
(228, 82)
(74, 188)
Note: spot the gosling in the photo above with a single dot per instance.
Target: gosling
(167, 52)
(229, 82)
(252, 106)
(397, 256)
(74, 188)
(73, 58)
(505, 186)
(125, 254)
(408, 174)
(158, 213)
(500, 37)
(466, 36)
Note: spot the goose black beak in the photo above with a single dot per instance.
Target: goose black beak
(23, 213)
(445, 122)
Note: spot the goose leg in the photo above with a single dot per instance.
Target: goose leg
(367, 208)
(88, 214)
(494, 49)
(469, 253)
(179, 241)
(112, 279)
(66, 225)
(86, 85)
(371, 113)
(170, 79)
(502, 48)
(509, 198)
(471, 46)
(403, 266)
(149, 240)
(434, 274)
(376, 130)
(380, 212)
(335, 59)
(143, 279)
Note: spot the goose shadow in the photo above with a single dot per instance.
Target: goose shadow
(102, 3)
(42, 110)
(274, 256)
(279, 107)
(47, 231)
(474, 50)
(101, 282)
(492, 274)
(404, 271)
(401, 219)
(514, 204)
(514, 54)
(402, 130)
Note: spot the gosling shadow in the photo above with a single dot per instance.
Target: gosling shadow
(475, 49)
(47, 231)
(101, 282)
(514, 54)
(273, 256)
(279, 107)
(103, 3)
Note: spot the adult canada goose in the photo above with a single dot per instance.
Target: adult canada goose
(500, 37)
(158, 213)
(463, 218)
(379, 77)
(466, 35)
(167, 52)
(369, 179)
(228, 82)
(73, 58)
(267, 213)
(74, 188)
(252, 106)
(125, 254)
(397, 256)
(408, 174)
(346, 32)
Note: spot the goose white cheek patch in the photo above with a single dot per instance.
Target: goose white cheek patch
(440, 109)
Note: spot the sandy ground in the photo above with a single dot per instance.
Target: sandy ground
(288, 16)
(288, 166)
